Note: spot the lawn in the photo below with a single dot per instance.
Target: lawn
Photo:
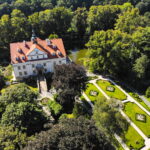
(131, 109)
(118, 94)
(91, 87)
(148, 98)
(138, 99)
(133, 139)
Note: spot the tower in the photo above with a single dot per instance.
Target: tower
(33, 38)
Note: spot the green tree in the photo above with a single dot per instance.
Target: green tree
(130, 20)
(12, 139)
(53, 36)
(2, 81)
(108, 118)
(79, 22)
(148, 92)
(102, 17)
(141, 66)
(69, 81)
(57, 21)
(79, 134)
(18, 93)
(19, 25)
(108, 51)
(24, 116)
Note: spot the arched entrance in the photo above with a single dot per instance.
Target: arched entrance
(40, 69)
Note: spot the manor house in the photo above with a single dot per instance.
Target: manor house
(36, 56)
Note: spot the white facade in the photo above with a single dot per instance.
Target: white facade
(36, 58)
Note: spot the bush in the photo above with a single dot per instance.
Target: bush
(80, 110)
(54, 107)
(148, 92)
(140, 117)
(53, 36)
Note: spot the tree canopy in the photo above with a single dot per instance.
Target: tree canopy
(24, 116)
(108, 118)
(78, 134)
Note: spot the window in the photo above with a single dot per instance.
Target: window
(37, 57)
(59, 62)
(54, 63)
(33, 66)
(24, 67)
(20, 73)
(44, 64)
(19, 67)
(45, 70)
(25, 73)
(31, 58)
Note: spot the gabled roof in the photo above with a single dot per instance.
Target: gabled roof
(33, 47)
(27, 47)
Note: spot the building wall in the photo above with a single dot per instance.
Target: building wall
(29, 68)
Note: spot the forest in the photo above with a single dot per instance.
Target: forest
(80, 25)
(116, 35)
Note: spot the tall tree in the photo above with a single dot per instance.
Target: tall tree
(108, 51)
(102, 17)
(69, 80)
(130, 20)
(18, 93)
(141, 66)
(12, 139)
(77, 134)
(79, 22)
(19, 25)
(108, 118)
(24, 116)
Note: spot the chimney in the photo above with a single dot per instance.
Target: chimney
(25, 44)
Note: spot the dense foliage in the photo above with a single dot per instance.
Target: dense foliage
(69, 81)
(123, 52)
(108, 118)
(24, 116)
(148, 92)
(117, 34)
(79, 134)
(20, 116)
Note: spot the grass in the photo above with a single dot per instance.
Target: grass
(148, 98)
(90, 87)
(131, 109)
(138, 99)
(78, 56)
(118, 94)
(133, 139)
(92, 78)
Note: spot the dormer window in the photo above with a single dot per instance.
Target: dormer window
(53, 54)
(17, 58)
(23, 58)
(19, 50)
(54, 46)
(59, 53)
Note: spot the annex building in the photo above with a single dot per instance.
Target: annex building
(36, 56)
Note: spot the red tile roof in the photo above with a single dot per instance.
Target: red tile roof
(28, 46)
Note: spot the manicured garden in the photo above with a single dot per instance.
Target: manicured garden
(92, 92)
(133, 139)
(108, 87)
(131, 109)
